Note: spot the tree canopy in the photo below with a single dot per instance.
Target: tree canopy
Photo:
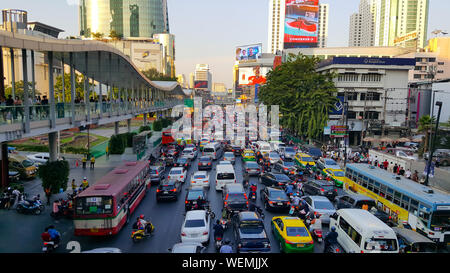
(18, 91)
(305, 96)
(153, 75)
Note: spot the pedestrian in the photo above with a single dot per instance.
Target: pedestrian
(92, 162)
(107, 151)
(74, 186)
(85, 183)
(408, 174)
(84, 160)
(386, 165)
(415, 176)
(395, 169)
(48, 194)
(401, 171)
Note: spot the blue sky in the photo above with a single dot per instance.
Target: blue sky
(207, 31)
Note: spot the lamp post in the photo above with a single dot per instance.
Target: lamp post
(430, 158)
(346, 131)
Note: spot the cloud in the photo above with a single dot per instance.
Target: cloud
(73, 2)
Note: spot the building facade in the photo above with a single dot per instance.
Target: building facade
(128, 18)
(389, 23)
(277, 15)
(202, 77)
(376, 90)
(168, 42)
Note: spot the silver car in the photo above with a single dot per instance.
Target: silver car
(321, 205)
(252, 168)
(274, 157)
(289, 152)
(229, 156)
(190, 153)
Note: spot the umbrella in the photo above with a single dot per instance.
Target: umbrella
(386, 139)
(404, 139)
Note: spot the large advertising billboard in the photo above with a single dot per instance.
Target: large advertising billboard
(253, 75)
(201, 84)
(301, 26)
(248, 53)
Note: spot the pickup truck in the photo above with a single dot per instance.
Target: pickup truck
(400, 161)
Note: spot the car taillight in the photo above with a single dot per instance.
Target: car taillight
(362, 251)
(199, 163)
(183, 234)
(271, 202)
(245, 195)
(174, 190)
(182, 176)
(186, 202)
(168, 177)
(322, 190)
(205, 233)
(225, 203)
(335, 190)
(158, 190)
(289, 242)
(209, 163)
(157, 173)
(285, 169)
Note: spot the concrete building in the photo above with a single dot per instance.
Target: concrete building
(202, 77)
(376, 90)
(181, 79)
(191, 80)
(219, 88)
(128, 18)
(429, 66)
(277, 15)
(168, 42)
(389, 22)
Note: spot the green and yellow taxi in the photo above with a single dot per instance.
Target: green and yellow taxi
(248, 155)
(337, 176)
(303, 159)
(203, 143)
(292, 234)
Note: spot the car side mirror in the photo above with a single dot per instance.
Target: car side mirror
(169, 249)
(334, 216)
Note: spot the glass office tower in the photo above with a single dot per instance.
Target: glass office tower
(128, 18)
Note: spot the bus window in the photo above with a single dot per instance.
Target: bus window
(370, 186)
(383, 189)
(405, 202)
(440, 218)
(414, 206)
(397, 197)
(390, 194)
(376, 188)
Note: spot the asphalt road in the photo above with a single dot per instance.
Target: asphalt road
(166, 216)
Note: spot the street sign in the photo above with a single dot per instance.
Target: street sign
(339, 131)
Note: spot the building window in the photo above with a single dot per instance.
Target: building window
(348, 77)
(371, 96)
(371, 78)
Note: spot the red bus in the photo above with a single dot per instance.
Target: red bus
(167, 137)
(105, 207)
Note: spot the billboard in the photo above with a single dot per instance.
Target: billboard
(248, 53)
(301, 25)
(408, 37)
(253, 75)
(338, 107)
(201, 85)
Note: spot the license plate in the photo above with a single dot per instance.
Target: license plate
(194, 235)
(94, 229)
(166, 192)
(44, 248)
(280, 204)
(300, 245)
(195, 202)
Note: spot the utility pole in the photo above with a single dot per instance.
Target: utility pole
(346, 130)
(430, 158)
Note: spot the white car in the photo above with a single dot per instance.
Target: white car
(187, 248)
(189, 153)
(200, 178)
(274, 157)
(177, 173)
(225, 162)
(40, 158)
(195, 227)
(229, 156)
(321, 205)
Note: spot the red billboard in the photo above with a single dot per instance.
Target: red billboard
(301, 26)
(201, 84)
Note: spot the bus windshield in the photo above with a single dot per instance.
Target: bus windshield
(441, 218)
(94, 205)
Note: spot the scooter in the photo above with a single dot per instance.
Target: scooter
(334, 248)
(30, 207)
(253, 196)
(315, 227)
(49, 247)
(139, 234)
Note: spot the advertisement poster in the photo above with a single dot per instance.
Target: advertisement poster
(301, 26)
(253, 75)
(201, 84)
(248, 53)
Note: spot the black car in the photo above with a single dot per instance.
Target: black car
(250, 234)
(205, 163)
(315, 153)
(274, 198)
(168, 189)
(182, 162)
(270, 179)
(156, 174)
(237, 150)
(287, 166)
(234, 197)
(196, 198)
(320, 187)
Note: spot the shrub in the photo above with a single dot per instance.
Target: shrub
(145, 128)
(116, 145)
(157, 126)
(54, 175)
(74, 150)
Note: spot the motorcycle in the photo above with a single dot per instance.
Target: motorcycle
(139, 234)
(218, 243)
(49, 247)
(253, 196)
(63, 211)
(315, 227)
(30, 207)
(333, 248)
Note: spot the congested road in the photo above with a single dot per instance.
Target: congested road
(168, 217)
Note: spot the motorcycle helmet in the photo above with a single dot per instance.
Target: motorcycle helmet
(333, 228)
(85, 178)
(227, 241)
(142, 216)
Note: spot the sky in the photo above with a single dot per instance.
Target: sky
(207, 31)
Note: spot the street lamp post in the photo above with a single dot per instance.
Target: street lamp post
(430, 158)
(346, 132)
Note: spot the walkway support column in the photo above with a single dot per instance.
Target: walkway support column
(51, 90)
(72, 87)
(87, 89)
(13, 74)
(26, 100)
(129, 125)
(100, 100)
(53, 146)
(4, 164)
(33, 76)
(116, 128)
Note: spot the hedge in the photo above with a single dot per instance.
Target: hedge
(157, 126)
(116, 145)
(144, 128)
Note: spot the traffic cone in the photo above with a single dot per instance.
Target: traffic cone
(76, 163)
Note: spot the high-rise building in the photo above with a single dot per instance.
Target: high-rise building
(168, 42)
(191, 80)
(202, 77)
(277, 16)
(181, 79)
(219, 87)
(390, 23)
(128, 18)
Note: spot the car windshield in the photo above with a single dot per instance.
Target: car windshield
(187, 151)
(251, 227)
(274, 155)
(252, 165)
(339, 174)
(27, 163)
(208, 150)
(205, 159)
(330, 162)
(297, 232)
(194, 223)
(193, 195)
(153, 171)
(175, 172)
(381, 244)
(281, 177)
(289, 163)
(307, 159)
(441, 218)
(236, 196)
(200, 176)
(182, 159)
(228, 155)
(249, 154)
(327, 187)
(166, 187)
(277, 194)
(315, 151)
(225, 176)
(323, 205)
(289, 150)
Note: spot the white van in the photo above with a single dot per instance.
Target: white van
(275, 146)
(359, 231)
(224, 175)
(214, 150)
(264, 147)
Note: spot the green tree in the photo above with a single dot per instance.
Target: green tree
(79, 87)
(305, 97)
(116, 145)
(54, 175)
(153, 75)
(115, 35)
(19, 90)
(426, 125)
(97, 35)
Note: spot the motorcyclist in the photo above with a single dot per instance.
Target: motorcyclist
(289, 189)
(331, 238)
(296, 200)
(85, 183)
(226, 248)
(54, 234)
(142, 223)
(253, 189)
(218, 230)
(303, 209)
(46, 236)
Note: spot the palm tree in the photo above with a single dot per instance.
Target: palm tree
(426, 124)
